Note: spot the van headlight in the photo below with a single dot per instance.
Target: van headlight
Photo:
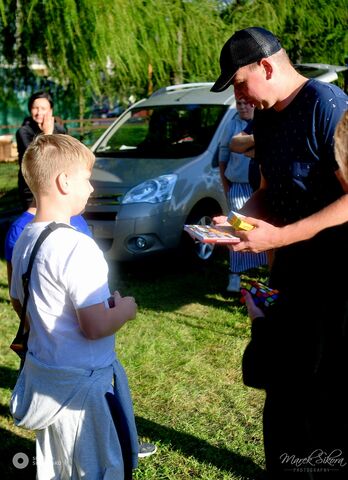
(155, 190)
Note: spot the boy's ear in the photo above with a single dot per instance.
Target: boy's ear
(63, 183)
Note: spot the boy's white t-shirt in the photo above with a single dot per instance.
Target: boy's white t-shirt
(69, 273)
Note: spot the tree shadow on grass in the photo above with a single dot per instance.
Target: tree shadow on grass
(8, 377)
(201, 450)
(10, 202)
(15, 449)
(167, 286)
(185, 443)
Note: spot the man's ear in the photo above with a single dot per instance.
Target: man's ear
(63, 183)
(268, 68)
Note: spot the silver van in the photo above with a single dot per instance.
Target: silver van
(157, 169)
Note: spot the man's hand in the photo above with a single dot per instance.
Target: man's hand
(262, 237)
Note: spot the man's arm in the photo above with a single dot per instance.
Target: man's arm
(242, 142)
(266, 237)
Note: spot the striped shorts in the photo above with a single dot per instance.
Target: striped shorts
(238, 194)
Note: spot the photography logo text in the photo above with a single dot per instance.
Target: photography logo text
(317, 461)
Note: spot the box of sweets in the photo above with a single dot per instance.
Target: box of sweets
(236, 220)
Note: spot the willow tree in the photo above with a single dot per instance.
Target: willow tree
(316, 31)
(113, 46)
(310, 30)
(118, 47)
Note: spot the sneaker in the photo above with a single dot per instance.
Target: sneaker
(234, 283)
(146, 449)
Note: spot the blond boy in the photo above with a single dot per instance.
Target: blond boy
(341, 145)
(66, 391)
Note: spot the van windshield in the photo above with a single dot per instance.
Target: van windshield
(163, 132)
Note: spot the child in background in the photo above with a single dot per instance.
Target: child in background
(17, 227)
(341, 145)
(72, 390)
(234, 169)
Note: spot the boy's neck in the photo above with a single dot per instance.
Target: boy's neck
(50, 213)
(51, 218)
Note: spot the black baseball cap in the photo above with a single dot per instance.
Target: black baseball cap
(243, 48)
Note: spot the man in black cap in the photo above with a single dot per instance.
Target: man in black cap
(301, 211)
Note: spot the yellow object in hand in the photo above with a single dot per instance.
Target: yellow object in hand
(237, 222)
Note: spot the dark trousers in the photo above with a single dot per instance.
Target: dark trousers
(305, 435)
(306, 409)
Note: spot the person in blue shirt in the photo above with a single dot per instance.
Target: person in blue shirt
(17, 227)
(234, 172)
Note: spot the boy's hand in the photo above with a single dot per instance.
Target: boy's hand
(253, 310)
(126, 305)
(97, 321)
(114, 299)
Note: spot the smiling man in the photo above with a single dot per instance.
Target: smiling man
(301, 211)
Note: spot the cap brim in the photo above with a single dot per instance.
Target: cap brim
(223, 82)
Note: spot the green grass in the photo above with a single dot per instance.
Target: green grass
(9, 199)
(182, 354)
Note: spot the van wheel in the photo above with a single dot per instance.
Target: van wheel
(192, 249)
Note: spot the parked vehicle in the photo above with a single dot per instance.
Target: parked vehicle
(157, 169)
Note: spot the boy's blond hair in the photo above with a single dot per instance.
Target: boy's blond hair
(49, 155)
(341, 144)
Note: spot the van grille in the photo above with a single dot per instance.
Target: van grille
(105, 216)
(114, 199)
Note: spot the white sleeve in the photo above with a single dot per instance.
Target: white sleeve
(87, 274)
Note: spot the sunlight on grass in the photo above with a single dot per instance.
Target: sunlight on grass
(183, 358)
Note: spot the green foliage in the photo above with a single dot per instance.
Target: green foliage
(317, 31)
(310, 30)
(115, 49)
(103, 46)
(258, 13)
(2, 11)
